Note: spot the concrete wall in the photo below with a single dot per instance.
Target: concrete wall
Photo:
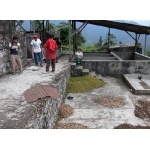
(138, 56)
(45, 111)
(125, 53)
(117, 68)
(5, 57)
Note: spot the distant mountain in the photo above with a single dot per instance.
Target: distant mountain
(92, 32)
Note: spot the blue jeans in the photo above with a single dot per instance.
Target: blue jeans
(38, 57)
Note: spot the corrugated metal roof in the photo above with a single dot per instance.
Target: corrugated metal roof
(40, 91)
(138, 29)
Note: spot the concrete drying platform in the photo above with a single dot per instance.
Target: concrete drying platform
(94, 116)
(138, 86)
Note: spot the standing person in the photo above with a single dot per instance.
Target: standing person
(36, 46)
(50, 54)
(14, 47)
(79, 56)
(58, 50)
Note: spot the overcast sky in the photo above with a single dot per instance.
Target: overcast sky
(143, 22)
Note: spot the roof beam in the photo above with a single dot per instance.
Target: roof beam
(130, 35)
(18, 23)
(82, 29)
(85, 23)
(138, 29)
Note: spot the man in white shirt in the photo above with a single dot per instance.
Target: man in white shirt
(36, 47)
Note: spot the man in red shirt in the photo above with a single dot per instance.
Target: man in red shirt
(50, 53)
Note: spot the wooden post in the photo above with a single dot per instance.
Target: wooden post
(43, 31)
(109, 38)
(69, 24)
(30, 25)
(75, 38)
(145, 44)
(136, 42)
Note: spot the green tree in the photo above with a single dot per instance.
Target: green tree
(99, 43)
(52, 28)
(64, 35)
(148, 53)
(80, 39)
(36, 23)
(64, 32)
(112, 39)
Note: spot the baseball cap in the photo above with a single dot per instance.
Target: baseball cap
(35, 36)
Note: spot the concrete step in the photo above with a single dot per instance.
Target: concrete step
(98, 76)
(73, 64)
(85, 72)
(92, 73)
(79, 67)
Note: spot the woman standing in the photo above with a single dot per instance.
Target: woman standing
(14, 46)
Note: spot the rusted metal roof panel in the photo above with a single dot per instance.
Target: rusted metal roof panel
(40, 91)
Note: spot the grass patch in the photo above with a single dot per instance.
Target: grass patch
(84, 84)
(85, 48)
(88, 48)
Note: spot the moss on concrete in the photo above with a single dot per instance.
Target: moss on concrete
(84, 84)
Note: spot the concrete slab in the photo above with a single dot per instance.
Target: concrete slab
(95, 116)
(85, 70)
(79, 67)
(99, 77)
(138, 86)
(14, 110)
(92, 73)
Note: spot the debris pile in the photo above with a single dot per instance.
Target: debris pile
(129, 126)
(111, 102)
(142, 109)
(71, 126)
(65, 111)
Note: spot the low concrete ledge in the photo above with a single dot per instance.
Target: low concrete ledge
(138, 56)
(116, 56)
(135, 84)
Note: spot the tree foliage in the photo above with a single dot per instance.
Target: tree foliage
(62, 28)
(64, 34)
(35, 24)
(99, 43)
(112, 39)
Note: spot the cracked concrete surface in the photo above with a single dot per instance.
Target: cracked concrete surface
(14, 110)
(95, 116)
